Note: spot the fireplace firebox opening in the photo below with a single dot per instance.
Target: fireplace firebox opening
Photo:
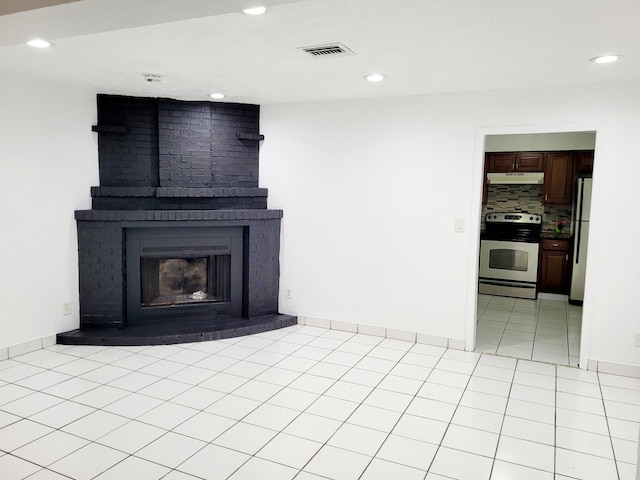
(186, 273)
(175, 281)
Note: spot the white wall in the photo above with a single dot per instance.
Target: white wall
(371, 190)
(48, 161)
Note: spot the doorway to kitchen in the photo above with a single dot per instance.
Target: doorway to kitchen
(546, 327)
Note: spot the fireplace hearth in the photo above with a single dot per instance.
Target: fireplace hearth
(179, 245)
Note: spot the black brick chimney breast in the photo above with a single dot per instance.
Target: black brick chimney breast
(189, 167)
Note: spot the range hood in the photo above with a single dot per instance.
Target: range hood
(528, 178)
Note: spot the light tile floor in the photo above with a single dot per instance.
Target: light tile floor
(307, 403)
(542, 330)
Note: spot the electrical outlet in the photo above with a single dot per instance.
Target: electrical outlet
(66, 308)
(287, 293)
(637, 340)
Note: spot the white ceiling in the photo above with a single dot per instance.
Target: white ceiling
(423, 46)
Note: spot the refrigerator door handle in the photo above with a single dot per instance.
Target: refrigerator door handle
(579, 222)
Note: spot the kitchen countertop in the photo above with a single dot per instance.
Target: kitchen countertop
(554, 236)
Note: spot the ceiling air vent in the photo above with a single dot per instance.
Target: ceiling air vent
(331, 50)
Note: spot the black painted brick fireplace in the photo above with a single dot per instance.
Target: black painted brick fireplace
(174, 166)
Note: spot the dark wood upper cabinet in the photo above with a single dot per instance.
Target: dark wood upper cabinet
(515, 162)
(584, 163)
(529, 162)
(558, 178)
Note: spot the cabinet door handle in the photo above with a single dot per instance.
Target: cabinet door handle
(556, 244)
(566, 257)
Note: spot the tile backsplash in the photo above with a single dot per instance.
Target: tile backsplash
(525, 198)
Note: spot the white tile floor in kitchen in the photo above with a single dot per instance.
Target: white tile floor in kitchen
(308, 403)
(542, 330)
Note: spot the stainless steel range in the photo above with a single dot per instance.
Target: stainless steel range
(509, 248)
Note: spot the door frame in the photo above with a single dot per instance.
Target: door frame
(476, 213)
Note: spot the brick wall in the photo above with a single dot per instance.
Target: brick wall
(128, 159)
(157, 142)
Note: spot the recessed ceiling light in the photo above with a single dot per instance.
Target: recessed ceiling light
(254, 10)
(375, 77)
(605, 58)
(217, 96)
(39, 43)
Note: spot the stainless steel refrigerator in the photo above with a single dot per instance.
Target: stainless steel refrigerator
(581, 208)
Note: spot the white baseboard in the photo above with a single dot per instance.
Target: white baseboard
(376, 331)
(615, 368)
(27, 347)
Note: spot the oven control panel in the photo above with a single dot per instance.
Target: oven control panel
(531, 218)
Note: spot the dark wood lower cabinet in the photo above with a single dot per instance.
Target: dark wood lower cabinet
(555, 266)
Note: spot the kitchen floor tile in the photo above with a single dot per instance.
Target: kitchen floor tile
(198, 398)
(233, 406)
(585, 442)
(484, 401)
(167, 415)
(390, 400)
(582, 421)
(133, 405)
(441, 393)
(133, 467)
(214, 462)
(523, 452)
(528, 430)
(16, 468)
(509, 471)
(20, 433)
(357, 393)
(171, 449)
(531, 411)
(311, 383)
(471, 440)
(46, 450)
(95, 425)
(541, 330)
(289, 450)
(256, 468)
(88, 462)
(479, 419)
(420, 428)
(376, 418)
(383, 470)
(271, 416)
(205, 426)
(357, 439)
(533, 394)
(131, 436)
(461, 465)
(584, 466)
(312, 427)
(335, 408)
(337, 464)
(407, 451)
